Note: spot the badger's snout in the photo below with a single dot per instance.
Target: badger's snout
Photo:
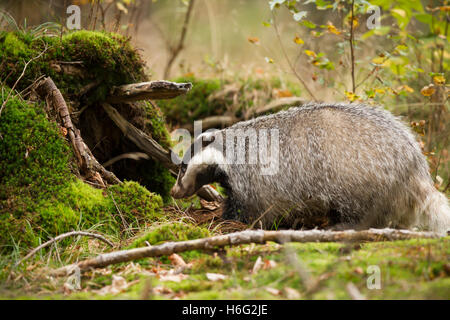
(176, 192)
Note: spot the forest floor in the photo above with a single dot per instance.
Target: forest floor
(412, 269)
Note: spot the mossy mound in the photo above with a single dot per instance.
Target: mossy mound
(210, 97)
(177, 231)
(40, 196)
(85, 65)
(73, 61)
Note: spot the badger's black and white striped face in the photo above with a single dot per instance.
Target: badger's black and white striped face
(198, 168)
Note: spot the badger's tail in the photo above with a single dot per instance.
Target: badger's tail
(435, 212)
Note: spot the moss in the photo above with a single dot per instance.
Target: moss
(177, 231)
(198, 104)
(105, 58)
(40, 197)
(136, 202)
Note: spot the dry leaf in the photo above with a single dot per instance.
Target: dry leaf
(269, 264)
(177, 261)
(173, 277)
(253, 40)
(215, 276)
(258, 265)
(292, 294)
(273, 291)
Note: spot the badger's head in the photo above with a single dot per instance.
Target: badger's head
(200, 166)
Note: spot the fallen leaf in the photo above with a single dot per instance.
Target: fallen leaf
(173, 277)
(291, 293)
(177, 260)
(273, 291)
(258, 265)
(215, 276)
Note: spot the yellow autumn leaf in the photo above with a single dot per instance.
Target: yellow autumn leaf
(351, 96)
(298, 40)
(428, 90)
(405, 88)
(254, 40)
(355, 21)
(380, 91)
(310, 53)
(282, 93)
(440, 79)
(332, 29)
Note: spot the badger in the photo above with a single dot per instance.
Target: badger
(338, 166)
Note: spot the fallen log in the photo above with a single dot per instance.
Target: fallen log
(244, 237)
(154, 150)
(87, 163)
(148, 91)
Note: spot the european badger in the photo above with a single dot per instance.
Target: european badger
(348, 165)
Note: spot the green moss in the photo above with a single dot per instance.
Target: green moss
(177, 231)
(40, 197)
(136, 202)
(105, 58)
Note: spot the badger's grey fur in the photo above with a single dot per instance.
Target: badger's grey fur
(347, 165)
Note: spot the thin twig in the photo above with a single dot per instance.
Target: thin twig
(352, 54)
(244, 237)
(63, 236)
(291, 66)
(179, 47)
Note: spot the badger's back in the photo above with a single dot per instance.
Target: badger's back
(338, 163)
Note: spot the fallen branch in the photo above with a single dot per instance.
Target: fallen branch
(63, 236)
(131, 155)
(154, 150)
(244, 237)
(275, 105)
(148, 90)
(85, 159)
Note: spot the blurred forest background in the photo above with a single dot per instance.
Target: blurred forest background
(244, 58)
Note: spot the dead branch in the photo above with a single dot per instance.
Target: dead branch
(226, 121)
(214, 122)
(148, 90)
(176, 50)
(85, 159)
(275, 105)
(131, 155)
(140, 138)
(63, 236)
(244, 237)
(154, 150)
